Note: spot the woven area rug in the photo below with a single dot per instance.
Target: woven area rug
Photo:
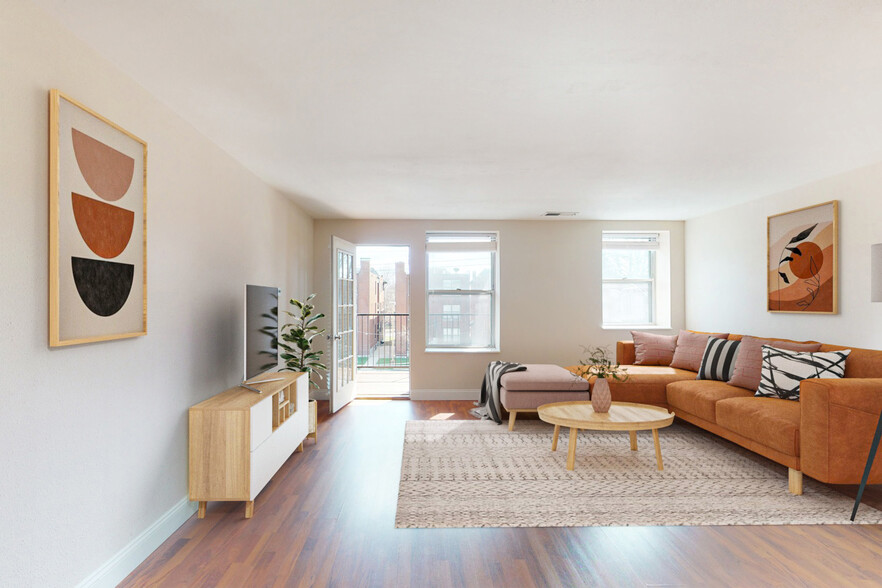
(478, 474)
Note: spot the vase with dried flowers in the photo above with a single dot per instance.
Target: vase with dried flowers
(598, 363)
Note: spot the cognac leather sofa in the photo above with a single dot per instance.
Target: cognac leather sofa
(826, 434)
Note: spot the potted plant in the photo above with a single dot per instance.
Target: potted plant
(296, 341)
(600, 365)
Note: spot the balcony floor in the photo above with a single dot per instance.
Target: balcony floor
(374, 382)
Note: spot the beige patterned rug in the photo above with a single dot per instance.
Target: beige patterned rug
(478, 474)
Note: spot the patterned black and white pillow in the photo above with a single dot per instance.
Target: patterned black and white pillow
(783, 370)
(718, 360)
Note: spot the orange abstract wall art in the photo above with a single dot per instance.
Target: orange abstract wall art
(802, 260)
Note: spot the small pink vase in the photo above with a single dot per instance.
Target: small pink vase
(600, 396)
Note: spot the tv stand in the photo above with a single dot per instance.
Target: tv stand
(239, 439)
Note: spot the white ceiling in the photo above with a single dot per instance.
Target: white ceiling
(508, 108)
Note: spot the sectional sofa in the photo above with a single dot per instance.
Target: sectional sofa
(826, 434)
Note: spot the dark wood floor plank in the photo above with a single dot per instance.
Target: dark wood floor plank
(327, 518)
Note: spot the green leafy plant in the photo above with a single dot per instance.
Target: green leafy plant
(297, 338)
(598, 363)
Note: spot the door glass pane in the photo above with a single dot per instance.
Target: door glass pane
(627, 303)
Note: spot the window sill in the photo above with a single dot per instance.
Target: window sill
(635, 327)
(462, 350)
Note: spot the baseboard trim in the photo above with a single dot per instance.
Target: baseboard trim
(445, 394)
(129, 557)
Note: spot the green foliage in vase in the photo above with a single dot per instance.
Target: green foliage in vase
(296, 341)
(598, 363)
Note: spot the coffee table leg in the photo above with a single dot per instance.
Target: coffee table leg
(633, 440)
(658, 458)
(554, 439)
(571, 450)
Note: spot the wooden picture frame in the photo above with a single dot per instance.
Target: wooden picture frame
(803, 258)
(97, 227)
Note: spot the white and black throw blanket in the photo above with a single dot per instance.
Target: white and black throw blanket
(490, 406)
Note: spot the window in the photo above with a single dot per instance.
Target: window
(462, 296)
(636, 279)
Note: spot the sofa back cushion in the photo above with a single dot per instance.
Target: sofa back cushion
(783, 371)
(653, 349)
(749, 363)
(862, 363)
(690, 349)
(718, 360)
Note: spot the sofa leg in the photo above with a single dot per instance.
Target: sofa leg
(512, 415)
(795, 479)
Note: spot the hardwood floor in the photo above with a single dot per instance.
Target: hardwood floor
(327, 518)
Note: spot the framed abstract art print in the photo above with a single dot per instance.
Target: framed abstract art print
(97, 227)
(802, 260)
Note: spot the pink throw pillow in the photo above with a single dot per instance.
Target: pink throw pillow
(653, 349)
(690, 349)
(749, 362)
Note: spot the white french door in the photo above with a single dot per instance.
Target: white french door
(343, 364)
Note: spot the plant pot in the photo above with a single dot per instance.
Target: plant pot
(600, 395)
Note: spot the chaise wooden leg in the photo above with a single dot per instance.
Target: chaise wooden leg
(300, 447)
(554, 439)
(512, 415)
(795, 481)
(249, 509)
(633, 440)
(200, 514)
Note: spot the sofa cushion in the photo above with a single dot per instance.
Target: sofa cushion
(749, 362)
(532, 399)
(719, 359)
(646, 384)
(653, 349)
(783, 370)
(543, 376)
(690, 349)
(699, 397)
(862, 363)
(772, 422)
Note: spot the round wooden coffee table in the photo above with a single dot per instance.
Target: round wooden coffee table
(622, 416)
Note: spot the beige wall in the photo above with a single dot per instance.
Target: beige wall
(726, 261)
(95, 436)
(549, 291)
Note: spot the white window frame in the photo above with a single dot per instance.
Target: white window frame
(659, 244)
(465, 241)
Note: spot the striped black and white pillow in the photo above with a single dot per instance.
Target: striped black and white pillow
(783, 370)
(718, 360)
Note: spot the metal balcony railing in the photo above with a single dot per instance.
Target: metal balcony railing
(383, 340)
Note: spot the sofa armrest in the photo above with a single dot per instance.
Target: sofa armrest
(838, 418)
(625, 354)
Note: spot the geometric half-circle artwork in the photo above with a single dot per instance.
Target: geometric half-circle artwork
(104, 286)
(107, 171)
(105, 228)
(97, 226)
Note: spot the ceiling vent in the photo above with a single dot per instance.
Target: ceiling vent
(556, 213)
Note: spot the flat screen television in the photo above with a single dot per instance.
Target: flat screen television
(261, 330)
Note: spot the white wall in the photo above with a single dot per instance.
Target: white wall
(726, 264)
(95, 436)
(550, 300)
